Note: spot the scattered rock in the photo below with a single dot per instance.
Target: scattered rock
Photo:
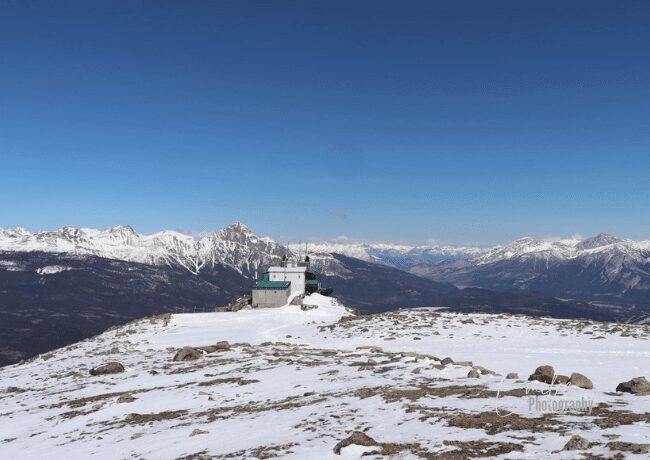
(358, 438)
(308, 307)
(580, 381)
(108, 368)
(512, 375)
(464, 363)
(629, 447)
(126, 399)
(187, 354)
(543, 374)
(473, 374)
(577, 443)
(638, 386)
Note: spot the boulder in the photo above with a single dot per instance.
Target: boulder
(543, 374)
(512, 375)
(577, 443)
(637, 386)
(125, 399)
(187, 354)
(358, 438)
(485, 371)
(580, 381)
(446, 361)
(473, 374)
(108, 368)
(561, 379)
(223, 345)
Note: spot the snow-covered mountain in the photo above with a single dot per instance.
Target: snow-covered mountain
(401, 256)
(318, 383)
(602, 268)
(235, 246)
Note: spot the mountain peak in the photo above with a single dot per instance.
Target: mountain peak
(602, 239)
(238, 227)
(122, 229)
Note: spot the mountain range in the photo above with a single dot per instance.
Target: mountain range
(58, 287)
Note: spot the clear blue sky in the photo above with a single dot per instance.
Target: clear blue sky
(467, 122)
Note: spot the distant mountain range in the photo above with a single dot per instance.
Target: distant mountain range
(62, 286)
(603, 269)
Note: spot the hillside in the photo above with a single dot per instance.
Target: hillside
(296, 382)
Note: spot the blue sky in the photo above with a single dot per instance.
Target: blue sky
(464, 122)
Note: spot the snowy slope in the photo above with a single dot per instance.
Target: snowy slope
(297, 381)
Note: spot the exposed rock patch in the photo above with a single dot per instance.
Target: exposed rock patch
(109, 368)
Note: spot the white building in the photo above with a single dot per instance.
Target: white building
(281, 282)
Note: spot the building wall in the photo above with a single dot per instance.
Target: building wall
(294, 274)
(265, 298)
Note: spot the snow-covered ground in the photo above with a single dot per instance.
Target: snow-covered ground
(297, 380)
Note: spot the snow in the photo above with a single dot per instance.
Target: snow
(52, 269)
(296, 381)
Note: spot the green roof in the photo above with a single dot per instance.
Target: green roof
(311, 281)
(315, 270)
(272, 284)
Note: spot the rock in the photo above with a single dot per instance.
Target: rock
(580, 381)
(108, 368)
(512, 375)
(187, 354)
(629, 447)
(485, 371)
(197, 432)
(561, 379)
(473, 374)
(543, 374)
(376, 350)
(371, 362)
(577, 443)
(126, 399)
(222, 345)
(464, 363)
(296, 301)
(358, 438)
(446, 361)
(638, 386)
